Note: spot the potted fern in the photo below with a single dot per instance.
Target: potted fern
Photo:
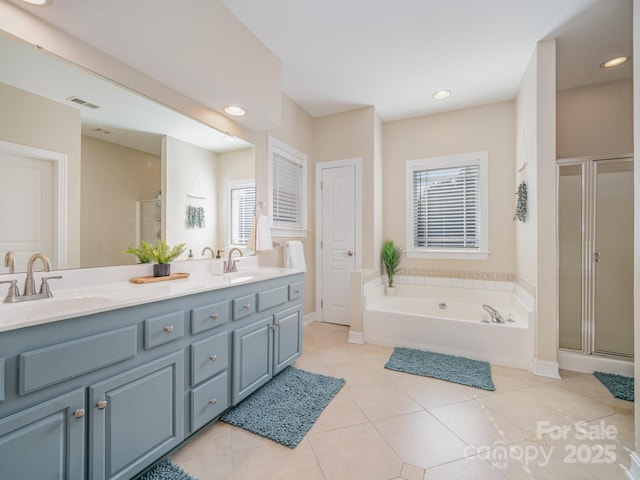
(391, 260)
(161, 254)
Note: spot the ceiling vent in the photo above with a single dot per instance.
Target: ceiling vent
(82, 102)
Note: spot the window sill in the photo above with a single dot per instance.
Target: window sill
(448, 254)
(289, 232)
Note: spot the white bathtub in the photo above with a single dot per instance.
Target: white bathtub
(414, 318)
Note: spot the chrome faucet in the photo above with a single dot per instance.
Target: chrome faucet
(230, 264)
(210, 249)
(29, 283)
(10, 262)
(13, 294)
(496, 317)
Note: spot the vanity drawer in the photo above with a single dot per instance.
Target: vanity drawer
(209, 400)
(209, 316)
(295, 290)
(163, 329)
(244, 306)
(49, 365)
(209, 356)
(272, 297)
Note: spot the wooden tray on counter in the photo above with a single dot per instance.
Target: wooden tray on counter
(152, 279)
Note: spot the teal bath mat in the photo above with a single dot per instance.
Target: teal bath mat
(286, 408)
(620, 386)
(465, 371)
(167, 470)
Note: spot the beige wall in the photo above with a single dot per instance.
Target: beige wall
(296, 131)
(34, 121)
(490, 128)
(636, 214)
(114, 178)
(595, 120)
(238, 165)
(191, 170)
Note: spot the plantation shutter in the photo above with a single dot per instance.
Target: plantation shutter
(287, 192)
(446, 207)
(243, 209)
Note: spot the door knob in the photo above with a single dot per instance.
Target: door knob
(349, 253)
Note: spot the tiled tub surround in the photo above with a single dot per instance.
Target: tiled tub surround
(414, 318)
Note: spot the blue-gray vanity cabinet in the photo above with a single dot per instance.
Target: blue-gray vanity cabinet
(252, 357)
(135, 417)
(287, 344)
(45, 441)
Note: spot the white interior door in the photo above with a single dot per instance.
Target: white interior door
(26, 227)
(338, 240)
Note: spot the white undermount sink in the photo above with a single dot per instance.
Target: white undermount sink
(55, 305)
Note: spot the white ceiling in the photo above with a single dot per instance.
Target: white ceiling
(338, 55)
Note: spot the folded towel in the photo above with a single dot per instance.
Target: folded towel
(294, 255)
(263, 234)
(251, 243)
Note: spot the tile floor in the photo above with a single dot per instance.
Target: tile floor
(387, 425)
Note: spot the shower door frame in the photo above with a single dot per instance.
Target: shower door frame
(588, 245)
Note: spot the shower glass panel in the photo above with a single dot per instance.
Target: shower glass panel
(613, 258)
(570, 218)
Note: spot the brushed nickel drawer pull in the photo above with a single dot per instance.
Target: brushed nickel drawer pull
(168, 328)
(79, 413)
(214, 316)
(213, 401)
(102, 404)
(213, 358)
(247, 306)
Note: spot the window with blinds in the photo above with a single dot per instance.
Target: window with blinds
(447, 206)
(243, 209)
(287, 182)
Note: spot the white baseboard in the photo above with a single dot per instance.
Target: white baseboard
(356, 337)
(634, 472)
(308, 319)
(543, 368)
(579, 362)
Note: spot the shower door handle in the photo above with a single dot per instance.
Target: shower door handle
(597, 256)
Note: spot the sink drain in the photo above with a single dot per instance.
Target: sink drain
(442, 305)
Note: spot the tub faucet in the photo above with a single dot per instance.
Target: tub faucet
(29, 283)
(496, 317)
(210, 249)
(230, 264)
(10, 262)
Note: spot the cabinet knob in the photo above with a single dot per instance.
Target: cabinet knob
(79, 413)
(213, 401)
(102, 404)
(273, 327)
(168, 328)
(297, 291)
(213, 358)
(214, 316)
(247, 306)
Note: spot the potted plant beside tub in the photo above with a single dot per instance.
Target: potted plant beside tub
(161, 254)
(391, 260)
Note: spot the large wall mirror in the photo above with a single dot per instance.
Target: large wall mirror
(88, 168)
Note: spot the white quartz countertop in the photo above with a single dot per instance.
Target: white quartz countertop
(73, 300)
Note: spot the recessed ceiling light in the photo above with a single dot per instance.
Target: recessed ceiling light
(441, 94)
(615, 61)
(235, 110)
(39, 3)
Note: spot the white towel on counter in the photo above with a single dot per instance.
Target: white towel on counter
(294, 255)
(260, 236)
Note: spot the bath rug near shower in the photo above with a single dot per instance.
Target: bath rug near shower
(465, 371)
(286, 408)
(620, 386)
(167, 470)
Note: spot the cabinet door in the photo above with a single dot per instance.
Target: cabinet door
(287, 339)
(46, 441)
(135, 418)
(252, 358)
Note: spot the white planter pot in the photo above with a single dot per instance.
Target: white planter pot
(391, 291)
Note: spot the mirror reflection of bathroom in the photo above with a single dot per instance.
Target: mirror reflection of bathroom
(149, 213)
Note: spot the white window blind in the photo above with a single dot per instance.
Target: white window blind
(243, 209)
(287, 201)
(446, 207)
